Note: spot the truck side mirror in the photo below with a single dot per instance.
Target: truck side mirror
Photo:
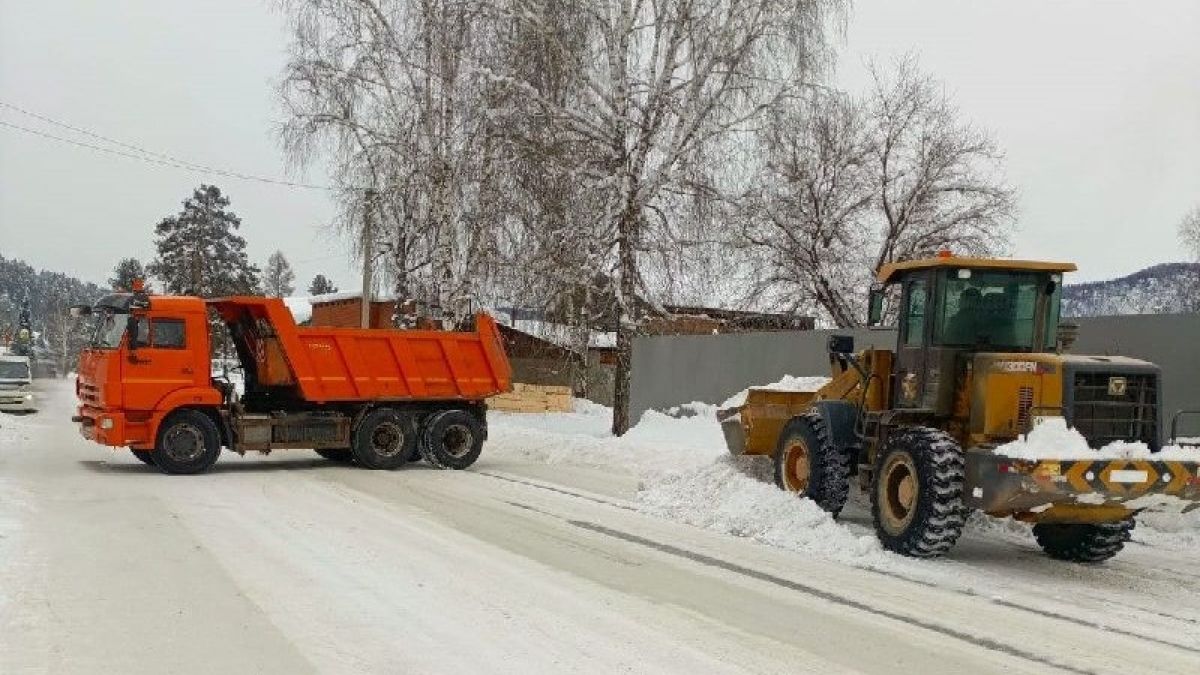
(875, 307)
(131, 329)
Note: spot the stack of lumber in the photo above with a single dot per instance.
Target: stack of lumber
(532, 398)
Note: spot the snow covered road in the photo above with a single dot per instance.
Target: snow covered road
(545, 557)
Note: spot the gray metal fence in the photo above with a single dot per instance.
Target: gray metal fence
(672, 369)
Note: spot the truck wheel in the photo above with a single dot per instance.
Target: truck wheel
(453, 439)
(808, 464)
(145, 456)
(187, 443)
(384, 439)
(916, 500)
(336, 454)
(1083, 543)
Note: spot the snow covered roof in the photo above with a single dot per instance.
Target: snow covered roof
(555, 333)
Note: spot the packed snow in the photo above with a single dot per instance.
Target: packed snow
(787, 383)
(1053, 439)
(686, 474)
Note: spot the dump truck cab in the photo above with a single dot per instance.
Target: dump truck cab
(147, 356)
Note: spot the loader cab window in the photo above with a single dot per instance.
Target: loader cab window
(915, 309)
(988, 309)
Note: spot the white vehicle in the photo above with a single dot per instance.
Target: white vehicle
(16, 384)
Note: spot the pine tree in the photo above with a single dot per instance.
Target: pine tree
(199, 250)
(321, 286)
(278, 276)
(125, 273)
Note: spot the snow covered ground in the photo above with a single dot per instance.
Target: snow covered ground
(562, 550)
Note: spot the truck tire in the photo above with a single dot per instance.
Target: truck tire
(144, 456)
(452, 439)
(188, 442)
(336, 454)
(383, 439)
(916, 499)
(808, 464)
(1083, 543)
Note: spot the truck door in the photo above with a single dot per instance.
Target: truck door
(160, 362)
(912, 353)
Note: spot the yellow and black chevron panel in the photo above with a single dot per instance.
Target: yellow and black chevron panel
(1126, 479)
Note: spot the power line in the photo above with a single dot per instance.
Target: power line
(143, 154)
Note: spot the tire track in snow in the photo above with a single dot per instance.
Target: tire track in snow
(1001, 602)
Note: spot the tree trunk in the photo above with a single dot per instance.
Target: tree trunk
(626, 317)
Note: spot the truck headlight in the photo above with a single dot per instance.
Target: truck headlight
(106, 423)
(28, 397)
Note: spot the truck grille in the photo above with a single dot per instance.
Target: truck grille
(1104, 411)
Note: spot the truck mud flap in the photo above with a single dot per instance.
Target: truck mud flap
(1005, 486)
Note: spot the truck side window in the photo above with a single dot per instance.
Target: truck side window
(914, 314)
(168, 333)
(142, 339)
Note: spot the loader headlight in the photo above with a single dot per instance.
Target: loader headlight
(106, 423)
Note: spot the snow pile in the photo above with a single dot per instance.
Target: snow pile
(788, 383)
(726, 496)
(1053, 439)
(659, 442)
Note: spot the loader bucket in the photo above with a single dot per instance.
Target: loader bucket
(753, 427)
(1050, 490)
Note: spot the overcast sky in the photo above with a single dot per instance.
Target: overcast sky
(1097, 105)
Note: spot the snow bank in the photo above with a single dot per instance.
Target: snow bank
(1053, 439)
(788, 383)
(729, 495)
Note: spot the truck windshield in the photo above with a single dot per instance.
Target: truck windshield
(110, 328)
(995, 309)
(14, 370)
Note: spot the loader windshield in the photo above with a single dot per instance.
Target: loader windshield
(995, 309)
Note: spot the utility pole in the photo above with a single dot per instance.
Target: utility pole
(368, 208)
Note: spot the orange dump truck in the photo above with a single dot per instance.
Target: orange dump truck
(375, 397)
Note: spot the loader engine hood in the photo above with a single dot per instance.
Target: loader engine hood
(1106, 398)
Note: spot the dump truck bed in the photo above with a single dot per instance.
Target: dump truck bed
(361, 364)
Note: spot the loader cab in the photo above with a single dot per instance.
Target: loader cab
(950, 308)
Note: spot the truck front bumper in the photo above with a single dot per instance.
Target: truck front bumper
(102, 426)
(18, 401)
(1050, 490)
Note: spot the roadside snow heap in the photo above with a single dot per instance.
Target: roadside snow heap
(685, 473)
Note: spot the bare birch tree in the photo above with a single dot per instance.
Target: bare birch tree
(850, 185)
(662, 79)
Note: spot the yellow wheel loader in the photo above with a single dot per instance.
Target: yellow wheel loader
(978, 362)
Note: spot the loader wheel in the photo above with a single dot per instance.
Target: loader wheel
(808, 464)
(1083, 543)
(916, 500)
(145, 456)
(188, 443)
(344, 455)
(452, 439)
(384, 439)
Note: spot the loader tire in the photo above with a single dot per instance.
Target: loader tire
(452, 439)
(188, 443)
(808, 464)
(144, 456)
(344, 455)
(383, 439)
(1083, 543)
(916, 499)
